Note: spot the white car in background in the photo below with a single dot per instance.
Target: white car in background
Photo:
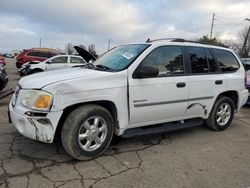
(55, 62)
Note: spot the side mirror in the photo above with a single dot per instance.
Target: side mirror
(147, 71)
(48, 62)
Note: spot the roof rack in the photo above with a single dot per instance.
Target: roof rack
(181, 40)
(169, 39)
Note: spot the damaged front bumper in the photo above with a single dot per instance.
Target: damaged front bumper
(23, 71)
(35, 125)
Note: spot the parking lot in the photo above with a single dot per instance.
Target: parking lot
(196, 157)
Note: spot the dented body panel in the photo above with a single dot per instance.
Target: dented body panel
(77, 90)
(41, 128)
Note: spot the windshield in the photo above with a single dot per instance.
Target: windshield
(120, 57)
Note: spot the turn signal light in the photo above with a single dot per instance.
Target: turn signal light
(43, 101)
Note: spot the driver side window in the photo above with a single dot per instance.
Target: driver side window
(168, 59)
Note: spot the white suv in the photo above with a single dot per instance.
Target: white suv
(132, 90)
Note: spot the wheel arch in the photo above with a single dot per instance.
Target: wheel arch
(36, 70)
(231, 94)
(109, 105)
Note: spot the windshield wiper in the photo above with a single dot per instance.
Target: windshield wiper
(103, 67)
(87, 65)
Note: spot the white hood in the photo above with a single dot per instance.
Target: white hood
(40, 80)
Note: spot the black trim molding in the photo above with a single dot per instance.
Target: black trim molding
(171, 102)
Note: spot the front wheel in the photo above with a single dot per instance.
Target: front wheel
(222, 114)
(87, 132)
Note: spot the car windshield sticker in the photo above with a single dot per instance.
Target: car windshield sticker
(128, 55)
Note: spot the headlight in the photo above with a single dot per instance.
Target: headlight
(37, 100)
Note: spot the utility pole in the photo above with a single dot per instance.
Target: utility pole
(40, 43)
(109, 44)
(212, 27)
(244, 48)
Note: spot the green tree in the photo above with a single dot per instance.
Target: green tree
(213, 41)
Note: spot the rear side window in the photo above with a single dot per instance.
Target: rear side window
(198, 60)
(76, 60)
(212, 64)
(33, 53)
(49, 54)
(43, 54)
(227, 60)
(46, 54)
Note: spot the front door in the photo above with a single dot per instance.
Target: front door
(57, 63)
(164, 97)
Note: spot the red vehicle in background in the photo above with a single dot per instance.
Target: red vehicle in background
(2, 60)
(34, 54)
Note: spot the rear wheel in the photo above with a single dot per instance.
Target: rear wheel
(222, 114)
(87, 132)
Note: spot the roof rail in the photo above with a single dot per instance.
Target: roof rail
(183, 40)
(169, 39)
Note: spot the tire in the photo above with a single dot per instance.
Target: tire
(222, 114)
(87, 132)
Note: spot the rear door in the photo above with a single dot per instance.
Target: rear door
(205, 81)
(164, 97)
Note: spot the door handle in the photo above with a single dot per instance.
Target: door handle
(218, 82)
(181, 84)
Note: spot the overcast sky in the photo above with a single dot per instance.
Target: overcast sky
(58, 22)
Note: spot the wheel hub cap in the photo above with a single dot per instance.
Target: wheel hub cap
(223, 114)
(92, 133)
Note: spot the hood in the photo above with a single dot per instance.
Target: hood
(87, 56)
(40, 80)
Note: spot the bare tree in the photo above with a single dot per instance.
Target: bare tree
(82, 46)
(245, 42)
(92, 50)
(69, 49)
(233, 44)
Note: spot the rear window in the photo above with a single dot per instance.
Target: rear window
(226, 60)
